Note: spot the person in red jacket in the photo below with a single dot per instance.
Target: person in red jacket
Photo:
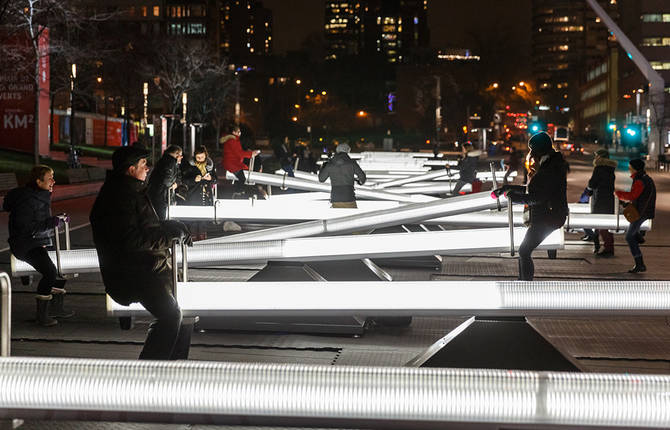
(234, 155)
(642, 196)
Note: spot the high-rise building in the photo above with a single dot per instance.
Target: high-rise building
(396, 29)
(343, 28)
(567, 38)
(246, 29)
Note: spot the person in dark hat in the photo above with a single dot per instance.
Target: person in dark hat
(642, 196)
(600, 188)
(133, 252)
(545, 196)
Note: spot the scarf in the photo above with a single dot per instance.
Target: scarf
(202, 167)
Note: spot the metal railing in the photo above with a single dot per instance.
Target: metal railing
(5, 315)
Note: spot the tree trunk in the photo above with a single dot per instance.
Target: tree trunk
(36, 117)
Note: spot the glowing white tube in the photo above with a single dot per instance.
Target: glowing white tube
(435, 188)
(275, 210)
(323, 249)
(301, 184)
(378, 219)
(196, 392)
(419, 298)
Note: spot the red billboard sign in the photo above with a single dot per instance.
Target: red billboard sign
(17, 102)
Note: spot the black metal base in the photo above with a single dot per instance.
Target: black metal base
(495, 343)
(349, 270)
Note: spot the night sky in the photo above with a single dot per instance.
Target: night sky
(453, 23)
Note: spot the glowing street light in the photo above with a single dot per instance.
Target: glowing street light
(294, 119)
(255, 99)
(323, 93)
(298, 82)
(362, 113)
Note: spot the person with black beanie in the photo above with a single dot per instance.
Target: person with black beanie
(642, 196)
(545, 196)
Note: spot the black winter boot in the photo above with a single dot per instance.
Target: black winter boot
(56, 310)
(43, 317)
(639, 266)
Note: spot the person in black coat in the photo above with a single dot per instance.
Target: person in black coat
(545, 197)
(199, 176)
(342, 171)
(601, 190)
(642, 196)
(31, 228)
(164, 180)
(133, 252)
(467, 167)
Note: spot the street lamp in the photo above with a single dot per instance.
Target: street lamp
(72, 159)
(184, 104)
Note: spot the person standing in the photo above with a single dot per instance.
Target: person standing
(234, 155)
(286, 157)
(342, 171)
(514, 163)
(199, 176)
(133, 251)
(601, 187)
(642, 196)
(545, 197)
(164, 180)
(467, 167)
(31, 227)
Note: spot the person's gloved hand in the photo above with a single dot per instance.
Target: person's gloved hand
(53, 222)
(65, 218)
(499, 191)
(178, 230)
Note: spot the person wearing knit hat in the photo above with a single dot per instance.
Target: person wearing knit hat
(133, 248)
(642, 196)
(545, 196)
(600, 188)
(342, 171)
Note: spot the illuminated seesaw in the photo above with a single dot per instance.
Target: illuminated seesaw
(418, 298)
(299, 395)
(330, 248)
(277, 212)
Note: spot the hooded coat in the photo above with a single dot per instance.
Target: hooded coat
(199, 193)
(342, 171)
(234, 155)
(546, 196)
(601, 186)
(132, 246)
(160, 182)
(30, 220)
(468, 166)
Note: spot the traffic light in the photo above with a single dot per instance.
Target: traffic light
(632, 135)
(611, 126)
(536, 127)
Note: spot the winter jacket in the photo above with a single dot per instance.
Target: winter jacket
(160, 182)
(601, 186)
(642, 195)
(30, 220)
(546, 196)
(234, 155)
(199, 193)
(131, 243)
(342, 171)
(467, 167)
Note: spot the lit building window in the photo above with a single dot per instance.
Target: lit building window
(144, 11)
(157, 10)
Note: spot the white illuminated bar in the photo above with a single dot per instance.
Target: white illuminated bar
(329, 248)
(301, 395)
(418, 298)
(576, 221)
(435, 188)
(285, 181)
(405, 214)
(273, 210)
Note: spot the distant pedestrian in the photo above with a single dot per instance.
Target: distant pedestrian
(513, 163)
(133, 247)
(342, 171)
(467, 167)
(199, 176)
(164, 180)
(234, 155)
(286, 156)
(642, 196)
(601, 187)
(545, 197)
(31, 228)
